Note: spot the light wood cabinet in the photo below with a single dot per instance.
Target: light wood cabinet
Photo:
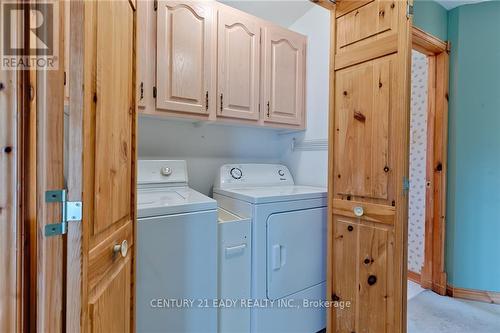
(238, 65)
(209, 61)
(284, 76)
(185, 73)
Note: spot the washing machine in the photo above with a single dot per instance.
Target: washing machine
(176, 270)
(288, 261)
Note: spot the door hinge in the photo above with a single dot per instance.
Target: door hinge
(142, 91)
(221, 102)
(409, 10)
(259, 108)
(71, 211)
(268, 109)
(155, 5)
(154, 92)
(406, 184)
(64, 77)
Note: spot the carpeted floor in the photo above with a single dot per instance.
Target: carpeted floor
(430, 313)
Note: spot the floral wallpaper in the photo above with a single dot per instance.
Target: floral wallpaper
(418, 150)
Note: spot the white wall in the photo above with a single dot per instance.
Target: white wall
(311, 167)
(206, 147)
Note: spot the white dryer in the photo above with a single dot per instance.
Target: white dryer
(176, 251)
(288, 244)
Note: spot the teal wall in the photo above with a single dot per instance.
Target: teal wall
(473, 214)
(431, 17)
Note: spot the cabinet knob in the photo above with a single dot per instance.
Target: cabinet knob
(121, 248)
(358, 211)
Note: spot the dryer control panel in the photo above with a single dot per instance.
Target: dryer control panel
(239, 175)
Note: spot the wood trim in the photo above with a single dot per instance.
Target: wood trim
(327, 4)
(372, 212)
(362, 53)
(74, 266)
(344, 7)
(10, 226)
(474, 295)
(433, 274)
(427, 43)
(415, 277)
(49, 176)
(330, 319)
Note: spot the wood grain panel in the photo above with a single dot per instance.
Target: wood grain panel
(372, 212)
(185, 60)
(362, 133)
(284, 76)
(113, 92)
(366, 22)
(110, 305)
(345, 247)
(238, 65)
(9, 228)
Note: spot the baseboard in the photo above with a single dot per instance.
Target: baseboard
(415, 277)
(474, 295)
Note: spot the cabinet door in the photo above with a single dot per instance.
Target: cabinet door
(145, 56)
(238, 65)
(284, 76)
(185, 63)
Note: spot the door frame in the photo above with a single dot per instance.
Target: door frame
(433, 275)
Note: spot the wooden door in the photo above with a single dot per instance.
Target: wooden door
(185, 64)
(102, 166)
(369, 126)
(284, 78)
(238, 59)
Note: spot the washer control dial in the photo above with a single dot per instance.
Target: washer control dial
(236, 173)
(281, 172)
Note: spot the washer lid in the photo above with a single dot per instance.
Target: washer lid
(266, 194)
(171, 200)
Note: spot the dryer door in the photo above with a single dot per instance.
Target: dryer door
(296, 246)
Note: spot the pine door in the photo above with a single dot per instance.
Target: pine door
(102, 166)
(238, 59)
(284, 77)
(369, 127)
(186, 57)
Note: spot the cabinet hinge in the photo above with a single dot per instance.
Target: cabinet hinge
(70, 211)
(142, 91)
(155, 5)
(154, 91)
(206, 101)
(409, 10)
(64, 77)
(406, 185)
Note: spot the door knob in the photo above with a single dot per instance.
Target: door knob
(121, 248)
(358, 211)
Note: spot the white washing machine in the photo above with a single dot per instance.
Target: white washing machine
(176, 251)
(288, 261)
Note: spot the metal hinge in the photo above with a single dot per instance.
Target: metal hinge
(155, 5)
(206, 101)
(154, 92)
(71, 211)
(409, 10)
(406, 184)
(142, 91)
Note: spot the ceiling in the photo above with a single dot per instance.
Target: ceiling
(282, 12)
(450, 4)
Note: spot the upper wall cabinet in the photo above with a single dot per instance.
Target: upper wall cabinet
(185, 63)
(284, 76)
(238, 65)
(209, 61)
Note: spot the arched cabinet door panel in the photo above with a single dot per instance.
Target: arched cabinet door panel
(238, 65)
(284, 79)
(185, 72)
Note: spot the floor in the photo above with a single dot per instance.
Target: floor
(429, 312)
